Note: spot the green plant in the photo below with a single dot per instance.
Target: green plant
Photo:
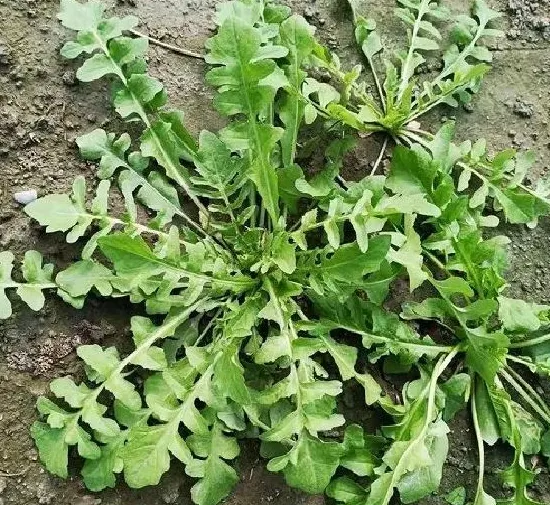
(267, 298)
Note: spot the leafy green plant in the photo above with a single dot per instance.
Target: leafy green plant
(265, 297)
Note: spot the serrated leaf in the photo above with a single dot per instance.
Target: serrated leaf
(348, 264)
(312, 464)
(146, 455)
(81, 277)
(297, 36)
(217, 478)
(52, 448)
(81, 17)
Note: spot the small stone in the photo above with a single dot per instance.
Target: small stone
(523, 109)
(88, 500)
(171, 495)
(5, 55)
(25, 197)
(69, 78)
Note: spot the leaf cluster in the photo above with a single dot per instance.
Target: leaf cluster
(263, 286)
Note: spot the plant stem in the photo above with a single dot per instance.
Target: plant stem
(480, 446)
(14, 285)
(405, 70)
(208, 326)
(176, 49)
(379, 87)
(529, 389)
(380, 156)
(529, 343)
(419, 347)
(174, 170)
(435, 260)
(545, 416)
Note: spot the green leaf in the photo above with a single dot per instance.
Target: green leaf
(96, 67)
(81, 17)
(297, 36)
(360, 452)
(230, 377)
(81, 277)
(410, 255)
(249, 79)
(518, 315)
(415, 466)
(412, 171)
(52, 448)
(217, 478)
(97, 145)
(312, 464)
(484, 13)
(419, 482)
(262, 173)
(283, 252)
(141, 91)
(457, 496)
(146, 455)
(100, 473)
(36, 278)
(348, 264)
(346, 490)
(56, 212)
(160, 142)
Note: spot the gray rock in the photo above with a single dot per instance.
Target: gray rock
(25, 197)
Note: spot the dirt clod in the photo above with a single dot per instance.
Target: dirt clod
(523, 109)
(529, 20)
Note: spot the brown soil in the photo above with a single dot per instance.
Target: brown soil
(42, 110)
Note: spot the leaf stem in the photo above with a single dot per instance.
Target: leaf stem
(530, 389)
(480, 446)
(380, 156)
(174, 170)
(530, 343)
(427, 348)
(405, 70)
(519, 389)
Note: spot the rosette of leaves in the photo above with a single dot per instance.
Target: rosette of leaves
(403, 97)
(253, 290)
(225, 282)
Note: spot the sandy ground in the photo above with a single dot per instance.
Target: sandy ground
(42, 110)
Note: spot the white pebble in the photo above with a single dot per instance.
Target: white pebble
(25, 197)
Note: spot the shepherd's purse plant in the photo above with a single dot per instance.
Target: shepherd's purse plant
(261, 276)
